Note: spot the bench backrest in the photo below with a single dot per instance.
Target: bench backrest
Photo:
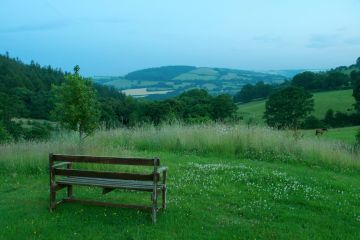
(106, 160)
(69, 159)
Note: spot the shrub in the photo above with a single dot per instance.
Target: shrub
(4, 134)
(37, 131)
(312, 122)
(358, 137)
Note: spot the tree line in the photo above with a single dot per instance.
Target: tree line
(291, 107)
(33, 92)
(77, 108)
(334, 79)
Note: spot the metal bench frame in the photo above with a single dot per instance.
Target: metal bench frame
(61, 165)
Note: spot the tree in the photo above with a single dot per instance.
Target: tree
(306, 80)
(76, 105)
(197, 105)
(288, 108)
(250, 92)
(4, 135)
(358, 62)
(356, 93)
(329, 118)
(246, 94)
(312, 122)
(223, 107)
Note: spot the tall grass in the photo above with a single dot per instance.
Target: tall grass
(225, 141)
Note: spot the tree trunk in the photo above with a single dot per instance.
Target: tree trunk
(80, 137)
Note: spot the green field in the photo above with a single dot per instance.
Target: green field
(341, 100)
(184, 78)
(346, 134)
(225, 182)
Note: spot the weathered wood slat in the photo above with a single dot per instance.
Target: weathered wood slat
(105, 160)
(107, 204)
(58, 187)
(100, 174)
(61, 164)
(112, 180)
(107, 180)
(121, 184)
(107, 190)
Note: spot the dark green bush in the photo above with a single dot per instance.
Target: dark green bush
(37, 131)
(312, 122)
(4, 134)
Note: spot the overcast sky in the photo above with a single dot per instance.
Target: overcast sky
(113, 37)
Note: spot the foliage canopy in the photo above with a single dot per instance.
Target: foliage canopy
(76, 106)
(288, 108)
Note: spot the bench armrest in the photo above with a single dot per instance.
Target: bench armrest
(61, 164)
(161, 170)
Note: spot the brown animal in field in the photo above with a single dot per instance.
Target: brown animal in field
(320, 131)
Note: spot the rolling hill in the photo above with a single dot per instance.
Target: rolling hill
(171, 80)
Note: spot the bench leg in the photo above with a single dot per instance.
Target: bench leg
(70, 191)
(154, 206)
(52, 199)
(164, 198)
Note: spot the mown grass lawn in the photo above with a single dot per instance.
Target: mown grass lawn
(224, 182)
(208, 198)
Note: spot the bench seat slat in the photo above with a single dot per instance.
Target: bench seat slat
(105, 160)
(98, 174)
(110, 183)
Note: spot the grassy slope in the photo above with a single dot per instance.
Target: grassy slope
(239, 199)
(346, 134)
(280, 190)
(337, 100)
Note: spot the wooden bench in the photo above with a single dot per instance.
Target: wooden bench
(62, 166)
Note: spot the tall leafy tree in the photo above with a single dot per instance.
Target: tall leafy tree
(223, 107)
(288, 108)
(356, 95)
(4, 134)
(76, 105)
(246, 94)
(356, 92)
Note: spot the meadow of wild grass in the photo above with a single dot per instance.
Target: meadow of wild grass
(240, 141)
(345, 134)
(225, 182)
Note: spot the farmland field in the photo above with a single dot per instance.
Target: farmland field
(341, 100)
(346, 134)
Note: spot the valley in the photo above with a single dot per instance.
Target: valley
(173, 80)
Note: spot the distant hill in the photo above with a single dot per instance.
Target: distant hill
(289, 73)
(172, 80)
(158, 74)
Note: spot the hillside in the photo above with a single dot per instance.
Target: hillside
(341, 100)
(172, 80)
